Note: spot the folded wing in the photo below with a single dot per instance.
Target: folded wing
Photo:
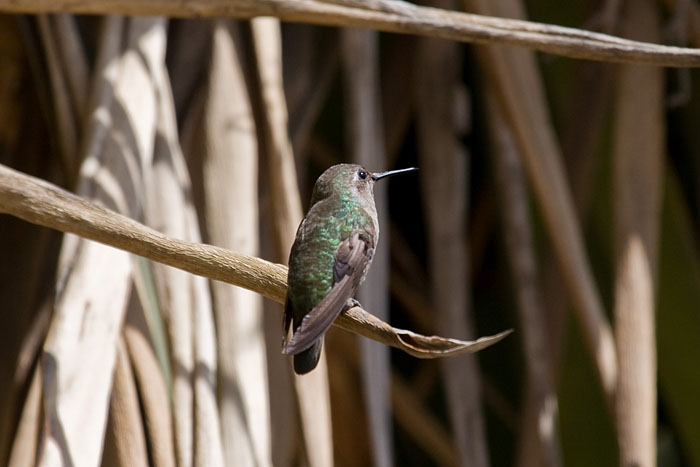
(352, 258)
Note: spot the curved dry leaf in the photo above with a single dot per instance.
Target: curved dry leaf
(360, 321)
(435, 346)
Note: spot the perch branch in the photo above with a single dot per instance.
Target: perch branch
(391, 16)
(42, 203)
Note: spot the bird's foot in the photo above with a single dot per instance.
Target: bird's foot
(351, 303)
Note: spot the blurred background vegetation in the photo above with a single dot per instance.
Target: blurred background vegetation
(557, 197)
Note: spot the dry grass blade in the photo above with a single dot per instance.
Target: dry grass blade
(42, 203)
(638, 170)
(391, 16)
(523, 102)
(231, 199)
(360, 50)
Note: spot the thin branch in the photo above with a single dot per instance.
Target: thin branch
(42, 203)
(391, 16)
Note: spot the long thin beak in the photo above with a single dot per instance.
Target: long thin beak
(389, 173)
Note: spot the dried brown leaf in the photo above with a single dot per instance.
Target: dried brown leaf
(362, 322)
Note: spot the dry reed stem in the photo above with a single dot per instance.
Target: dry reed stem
(350, 418)
(444, 173)
(539, 437)
(281, 171)
(420, 423)
(580, 140)
(101, 93)
(638, 169)
(308, 80)
(524, 106)
(365, 134)
(73, 62)
(65, 118)
(152, 390)
(25, 445)
(166, 208)
(32, 335)
(312, 392)
(42, 203)
(230, 171)
(184, 299)
(125, 440)
(391, 16)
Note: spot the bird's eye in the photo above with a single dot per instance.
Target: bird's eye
(362, 174)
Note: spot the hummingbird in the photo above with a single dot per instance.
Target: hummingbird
(330, 257)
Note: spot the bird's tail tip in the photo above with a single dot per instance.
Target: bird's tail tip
(307, 360)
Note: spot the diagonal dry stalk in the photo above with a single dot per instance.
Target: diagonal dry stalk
(42, 203)
(445, 164)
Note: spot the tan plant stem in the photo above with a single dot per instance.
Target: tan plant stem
(638, 173)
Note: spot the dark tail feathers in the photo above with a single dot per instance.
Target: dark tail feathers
(308, 359)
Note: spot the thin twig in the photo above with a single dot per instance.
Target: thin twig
(392, 16)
